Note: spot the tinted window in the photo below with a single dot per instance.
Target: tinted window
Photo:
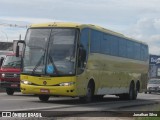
(130, 49)
(122, 47)
(137, 50)
(114, 45)
(106, 44)
(95, 41)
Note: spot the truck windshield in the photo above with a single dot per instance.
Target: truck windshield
(50, 51)
(12, 62)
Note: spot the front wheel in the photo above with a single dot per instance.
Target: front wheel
(44, 98)
(9, 91)
(89, 95)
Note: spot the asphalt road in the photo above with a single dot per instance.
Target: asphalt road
(64, 106)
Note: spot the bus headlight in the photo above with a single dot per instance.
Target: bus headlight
(67, 84)
(26, 82)
(3, 75)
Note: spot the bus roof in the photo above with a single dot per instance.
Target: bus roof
(81, 26)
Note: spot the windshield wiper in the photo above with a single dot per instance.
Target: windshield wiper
(38, 63)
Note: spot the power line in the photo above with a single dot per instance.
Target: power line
(13, 25)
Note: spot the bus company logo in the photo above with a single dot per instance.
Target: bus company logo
(153, 60)
(44, 83)
(6, 114)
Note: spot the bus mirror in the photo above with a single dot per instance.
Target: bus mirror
(1, 61)
(18, 47)
(17, 51)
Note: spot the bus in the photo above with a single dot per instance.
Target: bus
(82, 60)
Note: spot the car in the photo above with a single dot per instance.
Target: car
(10, 73)
(153, 85)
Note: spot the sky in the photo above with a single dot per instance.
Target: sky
(138, 19)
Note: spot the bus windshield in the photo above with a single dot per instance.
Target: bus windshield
(50, 51)
(12, 62)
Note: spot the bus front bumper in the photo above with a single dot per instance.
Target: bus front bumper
(49, 90)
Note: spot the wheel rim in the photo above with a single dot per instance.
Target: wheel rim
(89, 94)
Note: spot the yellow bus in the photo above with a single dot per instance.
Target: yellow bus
(82, 60)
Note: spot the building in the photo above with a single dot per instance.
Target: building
(8, 46)
(154, 66)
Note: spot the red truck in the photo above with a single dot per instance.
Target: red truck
(10, 73)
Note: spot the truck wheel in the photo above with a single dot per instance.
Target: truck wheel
(44, 98)
(9, 91)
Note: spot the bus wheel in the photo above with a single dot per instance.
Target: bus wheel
(9, 91)
(89, 95)
(131, 94)
(135, 94)
(44, 98)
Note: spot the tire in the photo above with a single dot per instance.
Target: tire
(135, 94)
(132, 95)
(43, 98)
(9, 91)
(89, 95)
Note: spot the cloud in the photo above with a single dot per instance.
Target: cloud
(139, 19)
(147, 30)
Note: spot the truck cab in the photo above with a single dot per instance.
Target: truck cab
(10, 73)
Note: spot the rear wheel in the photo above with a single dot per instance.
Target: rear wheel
(135, 94)
(44, 98)
(9, 91)
(132, 95)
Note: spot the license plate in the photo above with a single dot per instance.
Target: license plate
(44, 91)
(14, 85)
